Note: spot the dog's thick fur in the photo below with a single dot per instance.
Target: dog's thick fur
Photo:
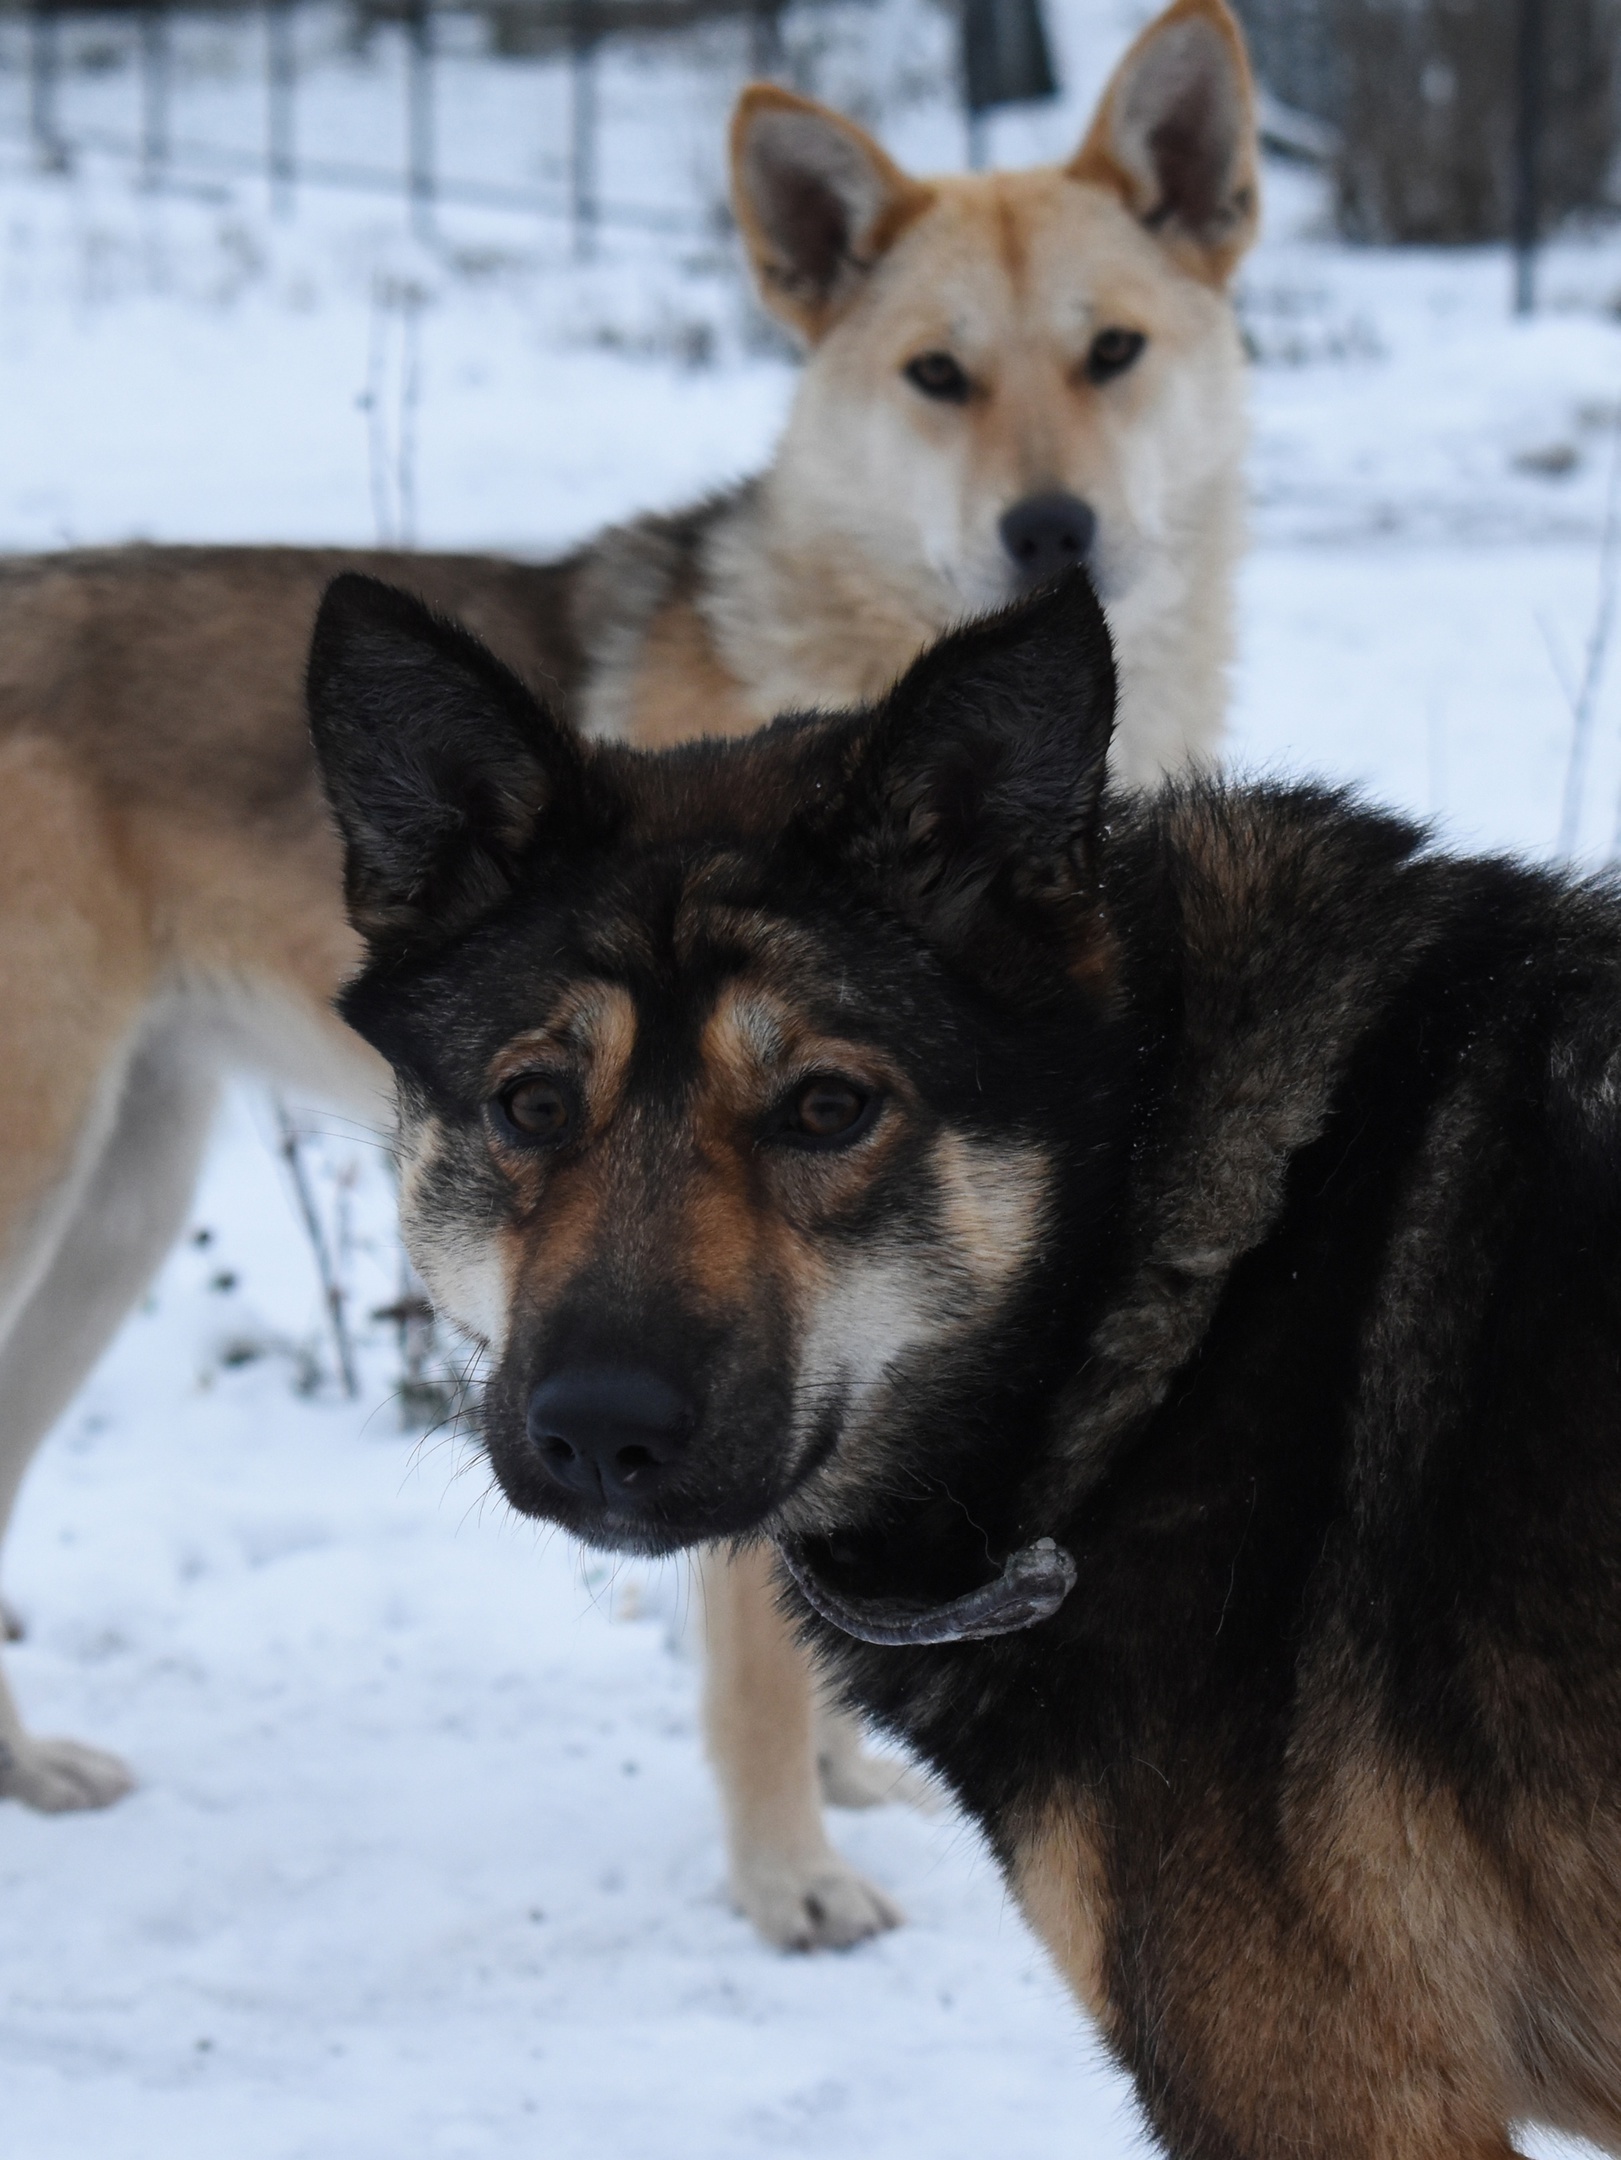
(1221, 1183)
(169, 890)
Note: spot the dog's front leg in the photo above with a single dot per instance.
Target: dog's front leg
(761, 1717)
(851, 1776)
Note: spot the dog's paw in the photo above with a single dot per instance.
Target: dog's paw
(853, 1778)
(59, 1776)
(823, 1906)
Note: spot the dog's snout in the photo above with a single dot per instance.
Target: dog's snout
(1048, 533)
(609, 1432)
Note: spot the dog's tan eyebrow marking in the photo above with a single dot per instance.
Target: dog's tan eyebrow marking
(592, 1029)
(745, 1037)
(753, 1040)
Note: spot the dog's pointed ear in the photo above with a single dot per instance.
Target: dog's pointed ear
(817, 202)
(437, 762)
(976, 795)
(1175, 137)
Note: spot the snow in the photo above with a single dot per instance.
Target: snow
(425, 1860)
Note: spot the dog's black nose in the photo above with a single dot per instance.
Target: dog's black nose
(1047, 533)
(609, 1431)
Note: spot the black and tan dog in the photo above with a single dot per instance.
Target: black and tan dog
(1152, 1264)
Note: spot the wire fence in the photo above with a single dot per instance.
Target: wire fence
(67, 57)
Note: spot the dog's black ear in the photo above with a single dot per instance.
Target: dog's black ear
(817, 202)
(976, 795)
(1175, 137)
(437, 762)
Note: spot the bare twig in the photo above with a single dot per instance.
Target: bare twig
(332, 1289)
(1584, 703)
(425, 1397)
(392, 449)
(378, 460)
(405, 453)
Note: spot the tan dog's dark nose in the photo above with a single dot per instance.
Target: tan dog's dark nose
(1048, 533)
(609, 1432)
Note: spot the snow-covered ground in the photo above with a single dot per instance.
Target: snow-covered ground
(425, 1860)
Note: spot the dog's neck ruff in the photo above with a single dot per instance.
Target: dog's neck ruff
(1033, 1583)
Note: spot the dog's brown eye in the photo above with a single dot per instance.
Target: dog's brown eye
(937, 375)
(826, 1113)
(536, 1108)
(1111, 353)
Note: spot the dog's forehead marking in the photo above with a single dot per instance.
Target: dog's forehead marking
(1012, 240)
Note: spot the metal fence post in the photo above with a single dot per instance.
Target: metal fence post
(1006, 60)
(154, 33)
(583, 129)
(765, 36)
(44, 76)
(1527, 153)
(281, 62)
(419, 116)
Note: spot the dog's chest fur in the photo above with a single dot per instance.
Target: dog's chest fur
(712, 620)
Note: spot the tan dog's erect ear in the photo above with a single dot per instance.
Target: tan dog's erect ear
(1175, 137)
(818, 202)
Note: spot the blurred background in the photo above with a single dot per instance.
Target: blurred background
(425, 1862)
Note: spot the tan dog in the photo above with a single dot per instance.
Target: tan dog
(1005, 373)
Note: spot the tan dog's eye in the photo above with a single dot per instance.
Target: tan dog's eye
(1111, 353)
(536, 1110)
(825, 1113)
(937, 375)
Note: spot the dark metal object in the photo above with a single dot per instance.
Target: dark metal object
(765, 36)
(281, 80)
(1006, 59)
(1033, 1583)
(155, 77)
(1527, 153)
(44, 76)
(584, 31)
(419, 116)
(1296, 49)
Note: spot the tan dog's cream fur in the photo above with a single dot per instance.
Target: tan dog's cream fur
(169, 883)
(876, 526)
